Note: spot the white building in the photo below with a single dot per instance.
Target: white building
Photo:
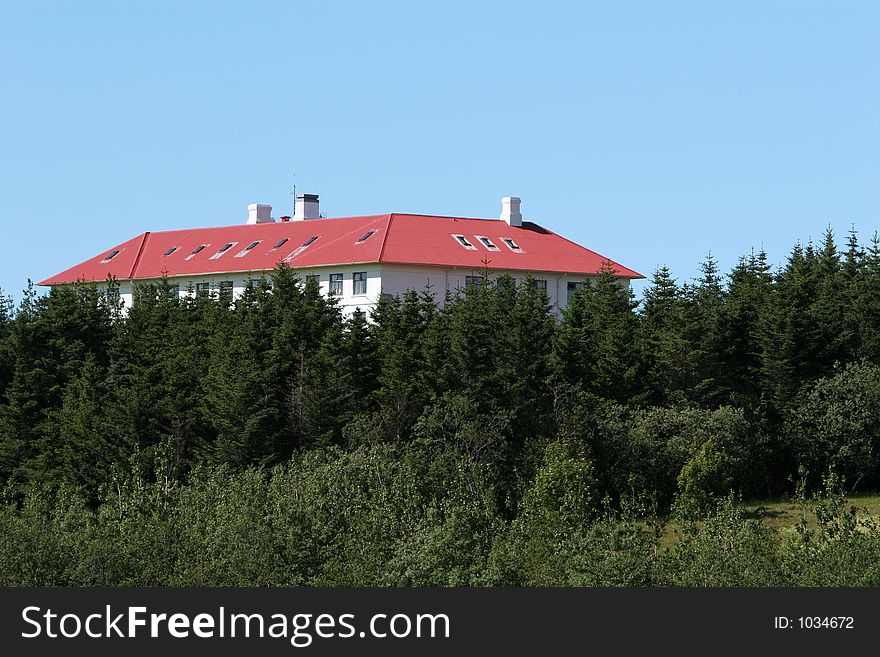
(354, 258)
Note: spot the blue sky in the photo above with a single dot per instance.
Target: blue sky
(650, 132)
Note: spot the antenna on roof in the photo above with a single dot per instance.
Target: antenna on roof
(293, 193)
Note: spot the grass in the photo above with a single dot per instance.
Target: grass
(782, 515)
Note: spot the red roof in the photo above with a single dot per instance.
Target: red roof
(394, 238)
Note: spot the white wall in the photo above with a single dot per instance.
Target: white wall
(397, 279)
(388, 278)
(348, 301)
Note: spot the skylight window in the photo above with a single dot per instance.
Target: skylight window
(247, 249)
(461, 239)
(310, 240)
(366, 235)
(513, 246)
(170, 251)
(223, 249)
(489, 244)
(281, 243)
(198, 249)
(111, 255)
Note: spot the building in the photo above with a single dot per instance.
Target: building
(354, 258)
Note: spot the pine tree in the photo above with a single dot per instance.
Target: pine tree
(596, 341)
(398, 331)
(664, 348)
(740, 324)
(703, 333)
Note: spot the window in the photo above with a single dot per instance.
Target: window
(174, 291)
(199, 248)
(111, 255)
(513, 246)
(223, 249)
(365, 236)
(461, 239)
(170, 251)
(247, 249)
(360, 282)
(473, 281)
(540, 285)
(225, 291)
(489, 244)
(336, 284)
(313, 278)
(301, 248)
(202, 289)
(281, 243)
(573, 287)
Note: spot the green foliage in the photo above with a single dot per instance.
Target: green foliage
(836, 427)
(475, 439)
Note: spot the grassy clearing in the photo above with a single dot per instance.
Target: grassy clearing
(782, 515)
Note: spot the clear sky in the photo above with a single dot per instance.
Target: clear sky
(651, 132)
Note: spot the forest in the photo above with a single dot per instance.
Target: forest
(481, 441)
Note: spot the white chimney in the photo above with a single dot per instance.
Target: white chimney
(510, 210)
(306, 207)
(259, 214)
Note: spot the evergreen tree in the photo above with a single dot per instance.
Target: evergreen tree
(740, 321)
(596, 341)
(664, 348)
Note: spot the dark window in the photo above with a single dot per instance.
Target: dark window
(573, 287)
(202, 289)
(112, 254)
(225, 291)
(336, 284)
(226, 247)
(310, 240)
(251, 245)
(174, 291)
(513, 245)
(280, 244)
(488, 243)
(360, 282)
(539, 284)
(170, 251)
(199, 248)
(464, 241)
(365, 236)
(313, 278)
(473, 281)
